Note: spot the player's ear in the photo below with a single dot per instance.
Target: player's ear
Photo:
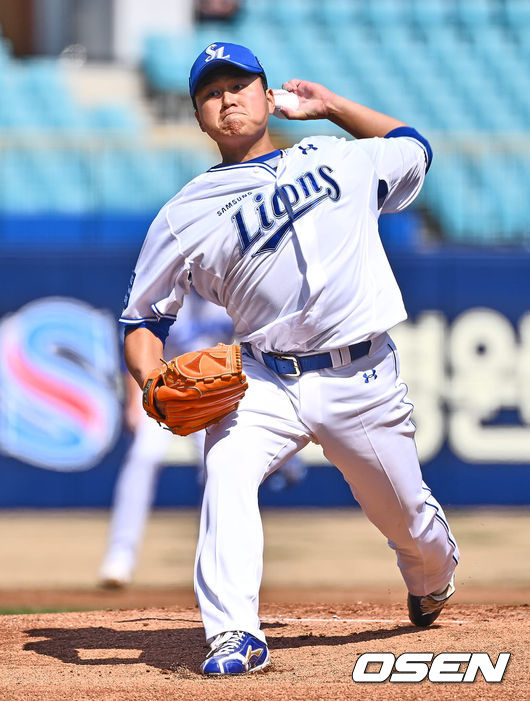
(270, 100)
(197, 117)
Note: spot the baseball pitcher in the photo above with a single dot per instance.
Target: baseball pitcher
(287, 241)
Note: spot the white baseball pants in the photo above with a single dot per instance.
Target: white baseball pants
(358, 414)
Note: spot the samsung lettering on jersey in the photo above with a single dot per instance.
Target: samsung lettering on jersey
(232, 203)
(289, 202)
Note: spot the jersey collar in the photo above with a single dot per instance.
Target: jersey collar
(260, 159)
(265, 157)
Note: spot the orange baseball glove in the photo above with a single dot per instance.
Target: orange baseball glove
(195, 389)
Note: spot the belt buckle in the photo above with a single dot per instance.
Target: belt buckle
(297, 372)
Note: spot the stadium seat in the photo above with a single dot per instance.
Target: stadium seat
(433, 13)
(455, 69)
(474, 14)
(382, 12)
(339, 13)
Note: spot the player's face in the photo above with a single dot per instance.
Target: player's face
(232, 103)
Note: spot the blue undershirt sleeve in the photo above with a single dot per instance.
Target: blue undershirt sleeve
(159, 328)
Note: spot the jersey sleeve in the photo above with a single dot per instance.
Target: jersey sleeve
(159, 282)
(401, 160)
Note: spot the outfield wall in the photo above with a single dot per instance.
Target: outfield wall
(465, 354)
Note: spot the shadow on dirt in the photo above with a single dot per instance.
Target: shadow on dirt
(315, 639)
(177, 650)
(181, 649)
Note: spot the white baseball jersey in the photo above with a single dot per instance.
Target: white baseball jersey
(288, 243)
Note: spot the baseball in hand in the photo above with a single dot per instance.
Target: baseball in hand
(284, 98)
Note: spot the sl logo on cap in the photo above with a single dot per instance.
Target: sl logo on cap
(215, 53)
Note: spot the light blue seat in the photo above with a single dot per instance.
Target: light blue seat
(338, 13)
(254, 11)
(475, 13)
(213, 32)
(25, 189)
(167, 60)
(114, 117)
(382, 12)
(517, 14)
(293, 15)
(143, 179)
(63, 178)
(504, 184)
(429, 15)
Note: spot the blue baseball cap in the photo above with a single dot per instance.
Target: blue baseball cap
(222, 54)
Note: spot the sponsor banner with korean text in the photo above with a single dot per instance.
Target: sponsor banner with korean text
(465, 356)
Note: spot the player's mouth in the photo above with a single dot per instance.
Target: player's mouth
(231, 113)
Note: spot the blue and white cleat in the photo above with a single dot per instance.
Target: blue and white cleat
(236, 652)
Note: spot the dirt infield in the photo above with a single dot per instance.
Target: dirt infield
(331, 592)
(155, 654)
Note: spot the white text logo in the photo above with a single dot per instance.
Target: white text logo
(215, 53)
(377, 667)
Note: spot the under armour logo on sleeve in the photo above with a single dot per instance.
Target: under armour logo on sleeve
(309, 147)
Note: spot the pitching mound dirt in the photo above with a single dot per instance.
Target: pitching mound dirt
(156, 653)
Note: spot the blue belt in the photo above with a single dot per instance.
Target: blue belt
(295, 365)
